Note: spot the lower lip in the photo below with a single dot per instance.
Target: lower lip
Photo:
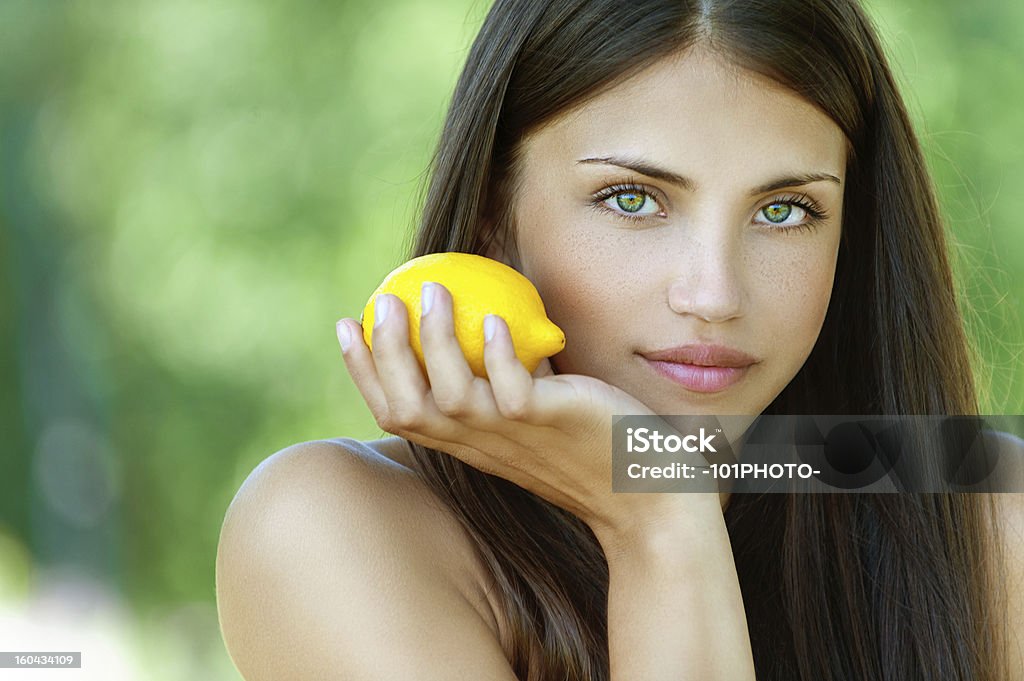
(700, 379)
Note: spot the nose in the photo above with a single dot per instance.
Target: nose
(710, 284)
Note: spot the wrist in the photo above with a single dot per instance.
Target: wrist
(680, 526)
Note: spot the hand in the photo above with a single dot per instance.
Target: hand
(549, 434)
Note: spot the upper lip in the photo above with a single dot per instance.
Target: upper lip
(700, 354)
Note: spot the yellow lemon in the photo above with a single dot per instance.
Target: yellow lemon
(479, 286)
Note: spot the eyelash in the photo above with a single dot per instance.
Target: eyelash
(815, 212)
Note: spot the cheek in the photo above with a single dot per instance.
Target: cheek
(792, 296)
(586, 284)
(573, 276)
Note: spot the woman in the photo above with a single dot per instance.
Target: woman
(737, 178)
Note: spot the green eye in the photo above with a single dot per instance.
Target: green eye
(630, 202)
(777, 212)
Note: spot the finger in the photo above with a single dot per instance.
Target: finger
(401, 376)
(497, 454)
(559, 400)
(543, 369)
(540, 399)
(360, 365)
(456, 391)
(411, 411)
(511, 383)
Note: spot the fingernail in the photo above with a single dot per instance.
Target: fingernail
(427, 296)
(489, 326)
(344, 335)
(380, 309)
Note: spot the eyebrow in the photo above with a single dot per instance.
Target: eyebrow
(649, 169)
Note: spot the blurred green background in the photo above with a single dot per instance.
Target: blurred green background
(191, 193)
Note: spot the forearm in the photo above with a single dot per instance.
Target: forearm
(675, 611)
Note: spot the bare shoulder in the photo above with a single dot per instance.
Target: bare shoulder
(335, 561)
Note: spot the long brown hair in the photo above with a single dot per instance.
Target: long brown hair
(861, 586)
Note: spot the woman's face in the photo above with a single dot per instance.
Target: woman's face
(630, 262)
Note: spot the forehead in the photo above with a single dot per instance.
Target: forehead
(699, 114)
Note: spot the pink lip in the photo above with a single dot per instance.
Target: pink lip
(701, 367)
(700, 379)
